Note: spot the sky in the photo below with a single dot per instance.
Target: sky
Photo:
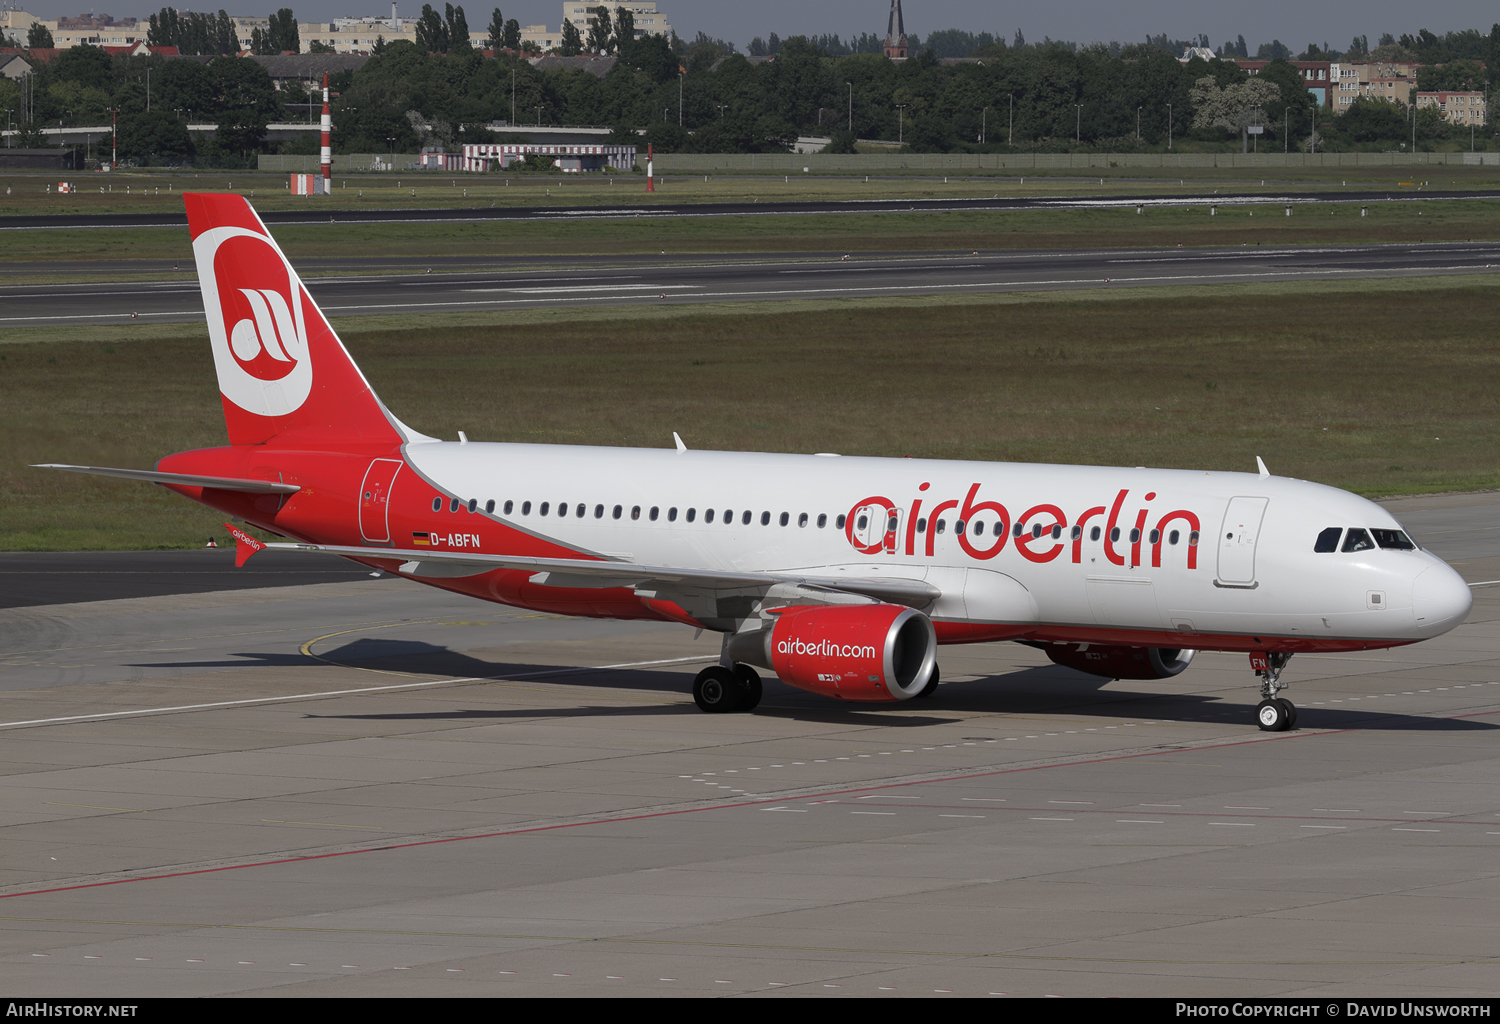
(1291, 21)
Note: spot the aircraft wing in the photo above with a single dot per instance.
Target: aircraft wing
(221, 483)
(582, 572)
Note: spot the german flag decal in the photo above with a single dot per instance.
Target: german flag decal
(420, 540)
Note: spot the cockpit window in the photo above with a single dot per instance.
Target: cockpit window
(1393, 539)
(1328, 540)
(1358, 540)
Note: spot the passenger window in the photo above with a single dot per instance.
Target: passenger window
(765, 519)
(958, 526)
(839, 522)
(655, 511)
(890, 524)
(1094, 533)
(1358, 540)
(1155, 536)
(672, 514)
(692, 514)
(1135, 536)
(1193, 539)
(580, 510)
(453, 505)
(562, 509)
(745, 519)
(437, 504)
(635, 512)
(1019, 529)
(822, 520)
(1173, 537)
(473, 504)
(1394, 540)
(544, 508)
(802, 520)
(1036, 531)
(525, 508)
(862, 522)
(1328, 540)
(1076, 533)
(921, 525)
(489, 507)
(509, 505)
(598, 511)
(784, 519)
(619, 510)
(1056, 531)
(1114, 534)
(708, 515)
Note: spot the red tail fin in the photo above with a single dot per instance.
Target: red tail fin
(284, 376)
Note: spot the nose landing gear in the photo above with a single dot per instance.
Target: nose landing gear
(1273, 713)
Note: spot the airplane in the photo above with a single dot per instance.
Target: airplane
(841, 575)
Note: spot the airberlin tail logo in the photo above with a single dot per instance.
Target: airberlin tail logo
(255, 321)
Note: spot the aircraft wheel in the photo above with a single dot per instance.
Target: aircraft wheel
(750, 680)
(1291, 712)
(932, 684)
(718, 690)
(1272, 716)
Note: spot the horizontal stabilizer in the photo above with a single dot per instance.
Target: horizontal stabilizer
(151, 476)
(915, 593)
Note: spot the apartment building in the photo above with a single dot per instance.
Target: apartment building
(1380, 81)
(1462, 108)
(648, 20)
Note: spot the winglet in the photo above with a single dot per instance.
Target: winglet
(680, 446)
(244, 545)
(1264, 472)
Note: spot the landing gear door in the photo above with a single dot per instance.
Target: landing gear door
(1237, 538)
(375, 500)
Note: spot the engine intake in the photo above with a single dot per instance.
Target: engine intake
(1120, 662)
(864, 652)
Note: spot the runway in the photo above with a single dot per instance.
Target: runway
(440, 287)
(370, 788)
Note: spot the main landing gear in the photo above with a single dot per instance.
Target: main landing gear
(720, 690)
(1273, 713)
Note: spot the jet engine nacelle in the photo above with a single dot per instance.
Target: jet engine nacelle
(863, 652)
(1121, 662)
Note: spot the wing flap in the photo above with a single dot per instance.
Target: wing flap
(580, 572)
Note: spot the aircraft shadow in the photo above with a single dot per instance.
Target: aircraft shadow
(1049, 690)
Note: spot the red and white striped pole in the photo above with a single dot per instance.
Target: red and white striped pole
(650, 171)
(327, 152)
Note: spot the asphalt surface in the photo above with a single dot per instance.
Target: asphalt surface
(610, 281)
(976, 203)
(377, 789)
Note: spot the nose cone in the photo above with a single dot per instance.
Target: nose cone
(1440, 600)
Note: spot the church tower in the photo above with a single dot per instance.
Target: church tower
(895, 33)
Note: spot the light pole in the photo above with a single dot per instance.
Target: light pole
(512, 96)
(7, 127)
(1010, 132)
(901, 124)
(851, 106)
(1169, 126)
(722, 107)
(1138, 124)
(984, 118)
(679, 99)
(1286, 131)
(1078, 123)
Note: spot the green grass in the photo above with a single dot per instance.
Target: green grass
(1382, 387)
(905, 232)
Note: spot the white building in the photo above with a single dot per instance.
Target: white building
(648, 20)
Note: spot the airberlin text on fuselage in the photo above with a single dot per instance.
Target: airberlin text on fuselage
(1147, 529)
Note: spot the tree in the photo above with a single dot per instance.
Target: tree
(624, 28)
(458, 29)
(38, 36)
(496, 39)
(512, 34)
(601, 33)
(285, 36)
(318, 46)
(156, 138)
(432, 33)
(572, 40)
(1236, 106)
